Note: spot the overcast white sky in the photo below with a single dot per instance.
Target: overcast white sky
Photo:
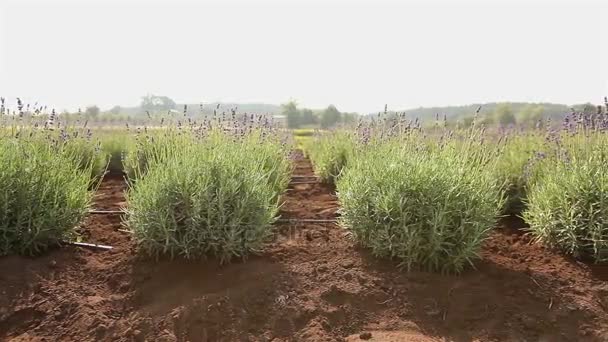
(357, 55)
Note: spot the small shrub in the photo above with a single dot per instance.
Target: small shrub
(88, 154)
(330, 153)
(218, 197)
(115, 144)
(153, 147)
(568, 199)
(511, 169)
(43, 194)
(428, 208)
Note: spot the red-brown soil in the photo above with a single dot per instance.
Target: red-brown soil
(311, 284)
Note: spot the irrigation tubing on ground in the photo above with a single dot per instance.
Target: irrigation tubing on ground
(106, 212)
(289, 220)
(90, 245)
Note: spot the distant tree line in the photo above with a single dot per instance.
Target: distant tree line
(326, 118)
(529, 114)
(498, 113)
(155, 107)
(501, 113)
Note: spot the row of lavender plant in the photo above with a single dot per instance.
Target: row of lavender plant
(413, 193)
(567, 191)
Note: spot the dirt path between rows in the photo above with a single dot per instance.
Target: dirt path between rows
(312, 283)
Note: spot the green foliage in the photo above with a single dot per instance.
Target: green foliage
(512, 166)
(568, 198)
(330, 117)
(330, 152)
(307, 117)
(303, 117)
(292, 114)
(154, 103)
(297, 117)
(588, 109)
(531, 114)
(78, 142)
(303, 132)
(116, 110)
(115, 144)
(460, 113)
(89, 155)
(44, 193)
(92, 112)
(504, 114)
(154, 147)
(430, 207)
(467, 121)
(215, 195)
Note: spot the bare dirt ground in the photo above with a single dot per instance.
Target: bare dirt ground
(311, 284)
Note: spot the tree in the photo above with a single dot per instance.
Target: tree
(292, 114)
(525, 114)
(92, 112)
(66, 116)
(115, 110)
(587, 109)
(537, 114)
(330, 117)
(467, 120)
(531, 114)
(486, 120)
(503, 114)
(154, 103)
(349, 118)
(307, 117)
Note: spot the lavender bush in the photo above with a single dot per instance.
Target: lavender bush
(208, 191)
(329, 153)
(426, 202)
(45, 182)
(568, 192)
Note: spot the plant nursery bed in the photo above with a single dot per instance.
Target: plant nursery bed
(312, 283)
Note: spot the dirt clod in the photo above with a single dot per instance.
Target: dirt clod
(365, 336)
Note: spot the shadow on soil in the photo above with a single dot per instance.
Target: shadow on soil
(492, 301)
(20, 278)
(205, 301)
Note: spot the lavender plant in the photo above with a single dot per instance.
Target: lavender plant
(150, 147)
(115, 144)
(46, 181)
(568, 196)
(209, 191)
(329, 153)
(512, 167)
(426, 202)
